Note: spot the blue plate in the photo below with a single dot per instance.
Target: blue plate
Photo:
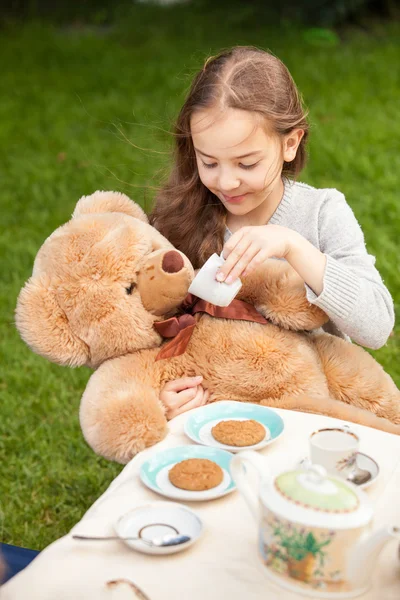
(154, 472)
(200, 422)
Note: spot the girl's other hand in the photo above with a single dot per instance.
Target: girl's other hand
(181, 395)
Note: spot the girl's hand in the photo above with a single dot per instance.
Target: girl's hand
(181, 395)
(249, 247)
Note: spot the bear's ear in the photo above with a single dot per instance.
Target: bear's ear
(44, 326)
(103, 202)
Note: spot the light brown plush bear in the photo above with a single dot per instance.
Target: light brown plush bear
(100, 283)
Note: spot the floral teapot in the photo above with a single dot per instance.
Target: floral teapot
(313, 529)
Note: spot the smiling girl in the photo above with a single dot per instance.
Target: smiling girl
(240, 145)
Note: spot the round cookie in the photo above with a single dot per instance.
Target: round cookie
(239, 433)
(196, 474)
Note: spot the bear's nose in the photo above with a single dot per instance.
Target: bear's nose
(172, 262)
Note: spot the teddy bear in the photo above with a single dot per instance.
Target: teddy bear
(105, 284)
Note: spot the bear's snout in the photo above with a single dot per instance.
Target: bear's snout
(164, 280)
(172, 262)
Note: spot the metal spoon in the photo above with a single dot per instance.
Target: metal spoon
(359, 476)
(166, 540)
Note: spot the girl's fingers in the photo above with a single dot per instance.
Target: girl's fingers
(237, 253)
(257, 260)
(177, 385)
(193, 403)
(232, 242)
(242, 263)
(183, 397)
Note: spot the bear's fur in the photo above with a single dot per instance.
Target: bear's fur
(103, 279)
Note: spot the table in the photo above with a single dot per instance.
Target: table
(224, 563)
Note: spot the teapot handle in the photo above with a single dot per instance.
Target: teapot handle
(249, 490)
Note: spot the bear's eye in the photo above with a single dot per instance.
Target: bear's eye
(130, 289)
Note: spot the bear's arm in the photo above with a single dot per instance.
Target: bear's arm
(278, 293)
(120, 411)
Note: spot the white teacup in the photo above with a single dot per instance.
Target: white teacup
(335, 449)
(205, 286)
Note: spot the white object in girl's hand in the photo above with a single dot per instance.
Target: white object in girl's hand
(206, 287)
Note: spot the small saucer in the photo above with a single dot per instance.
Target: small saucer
(364, 461)
(155, 520)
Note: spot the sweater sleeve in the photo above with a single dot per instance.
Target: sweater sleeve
(354, 295)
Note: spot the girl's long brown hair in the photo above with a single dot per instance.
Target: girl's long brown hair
(186, 212)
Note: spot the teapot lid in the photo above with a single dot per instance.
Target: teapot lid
(312, 489)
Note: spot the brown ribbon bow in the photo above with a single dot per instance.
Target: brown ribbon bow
(181, 328)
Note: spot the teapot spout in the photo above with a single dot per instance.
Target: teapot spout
(366, 554)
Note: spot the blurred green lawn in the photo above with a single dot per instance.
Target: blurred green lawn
(86, 109)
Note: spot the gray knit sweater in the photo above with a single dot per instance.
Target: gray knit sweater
(354, 297)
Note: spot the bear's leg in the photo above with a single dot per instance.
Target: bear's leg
(332, 408)
(119, 414)
(356, 378)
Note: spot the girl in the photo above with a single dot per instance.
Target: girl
(240, 145)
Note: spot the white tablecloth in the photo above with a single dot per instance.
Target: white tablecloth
(224, 563)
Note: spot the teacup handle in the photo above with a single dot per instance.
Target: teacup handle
(241, 477)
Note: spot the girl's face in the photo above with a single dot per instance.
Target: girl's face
(237, 159)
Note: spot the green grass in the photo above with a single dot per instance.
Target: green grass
(82, 110)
